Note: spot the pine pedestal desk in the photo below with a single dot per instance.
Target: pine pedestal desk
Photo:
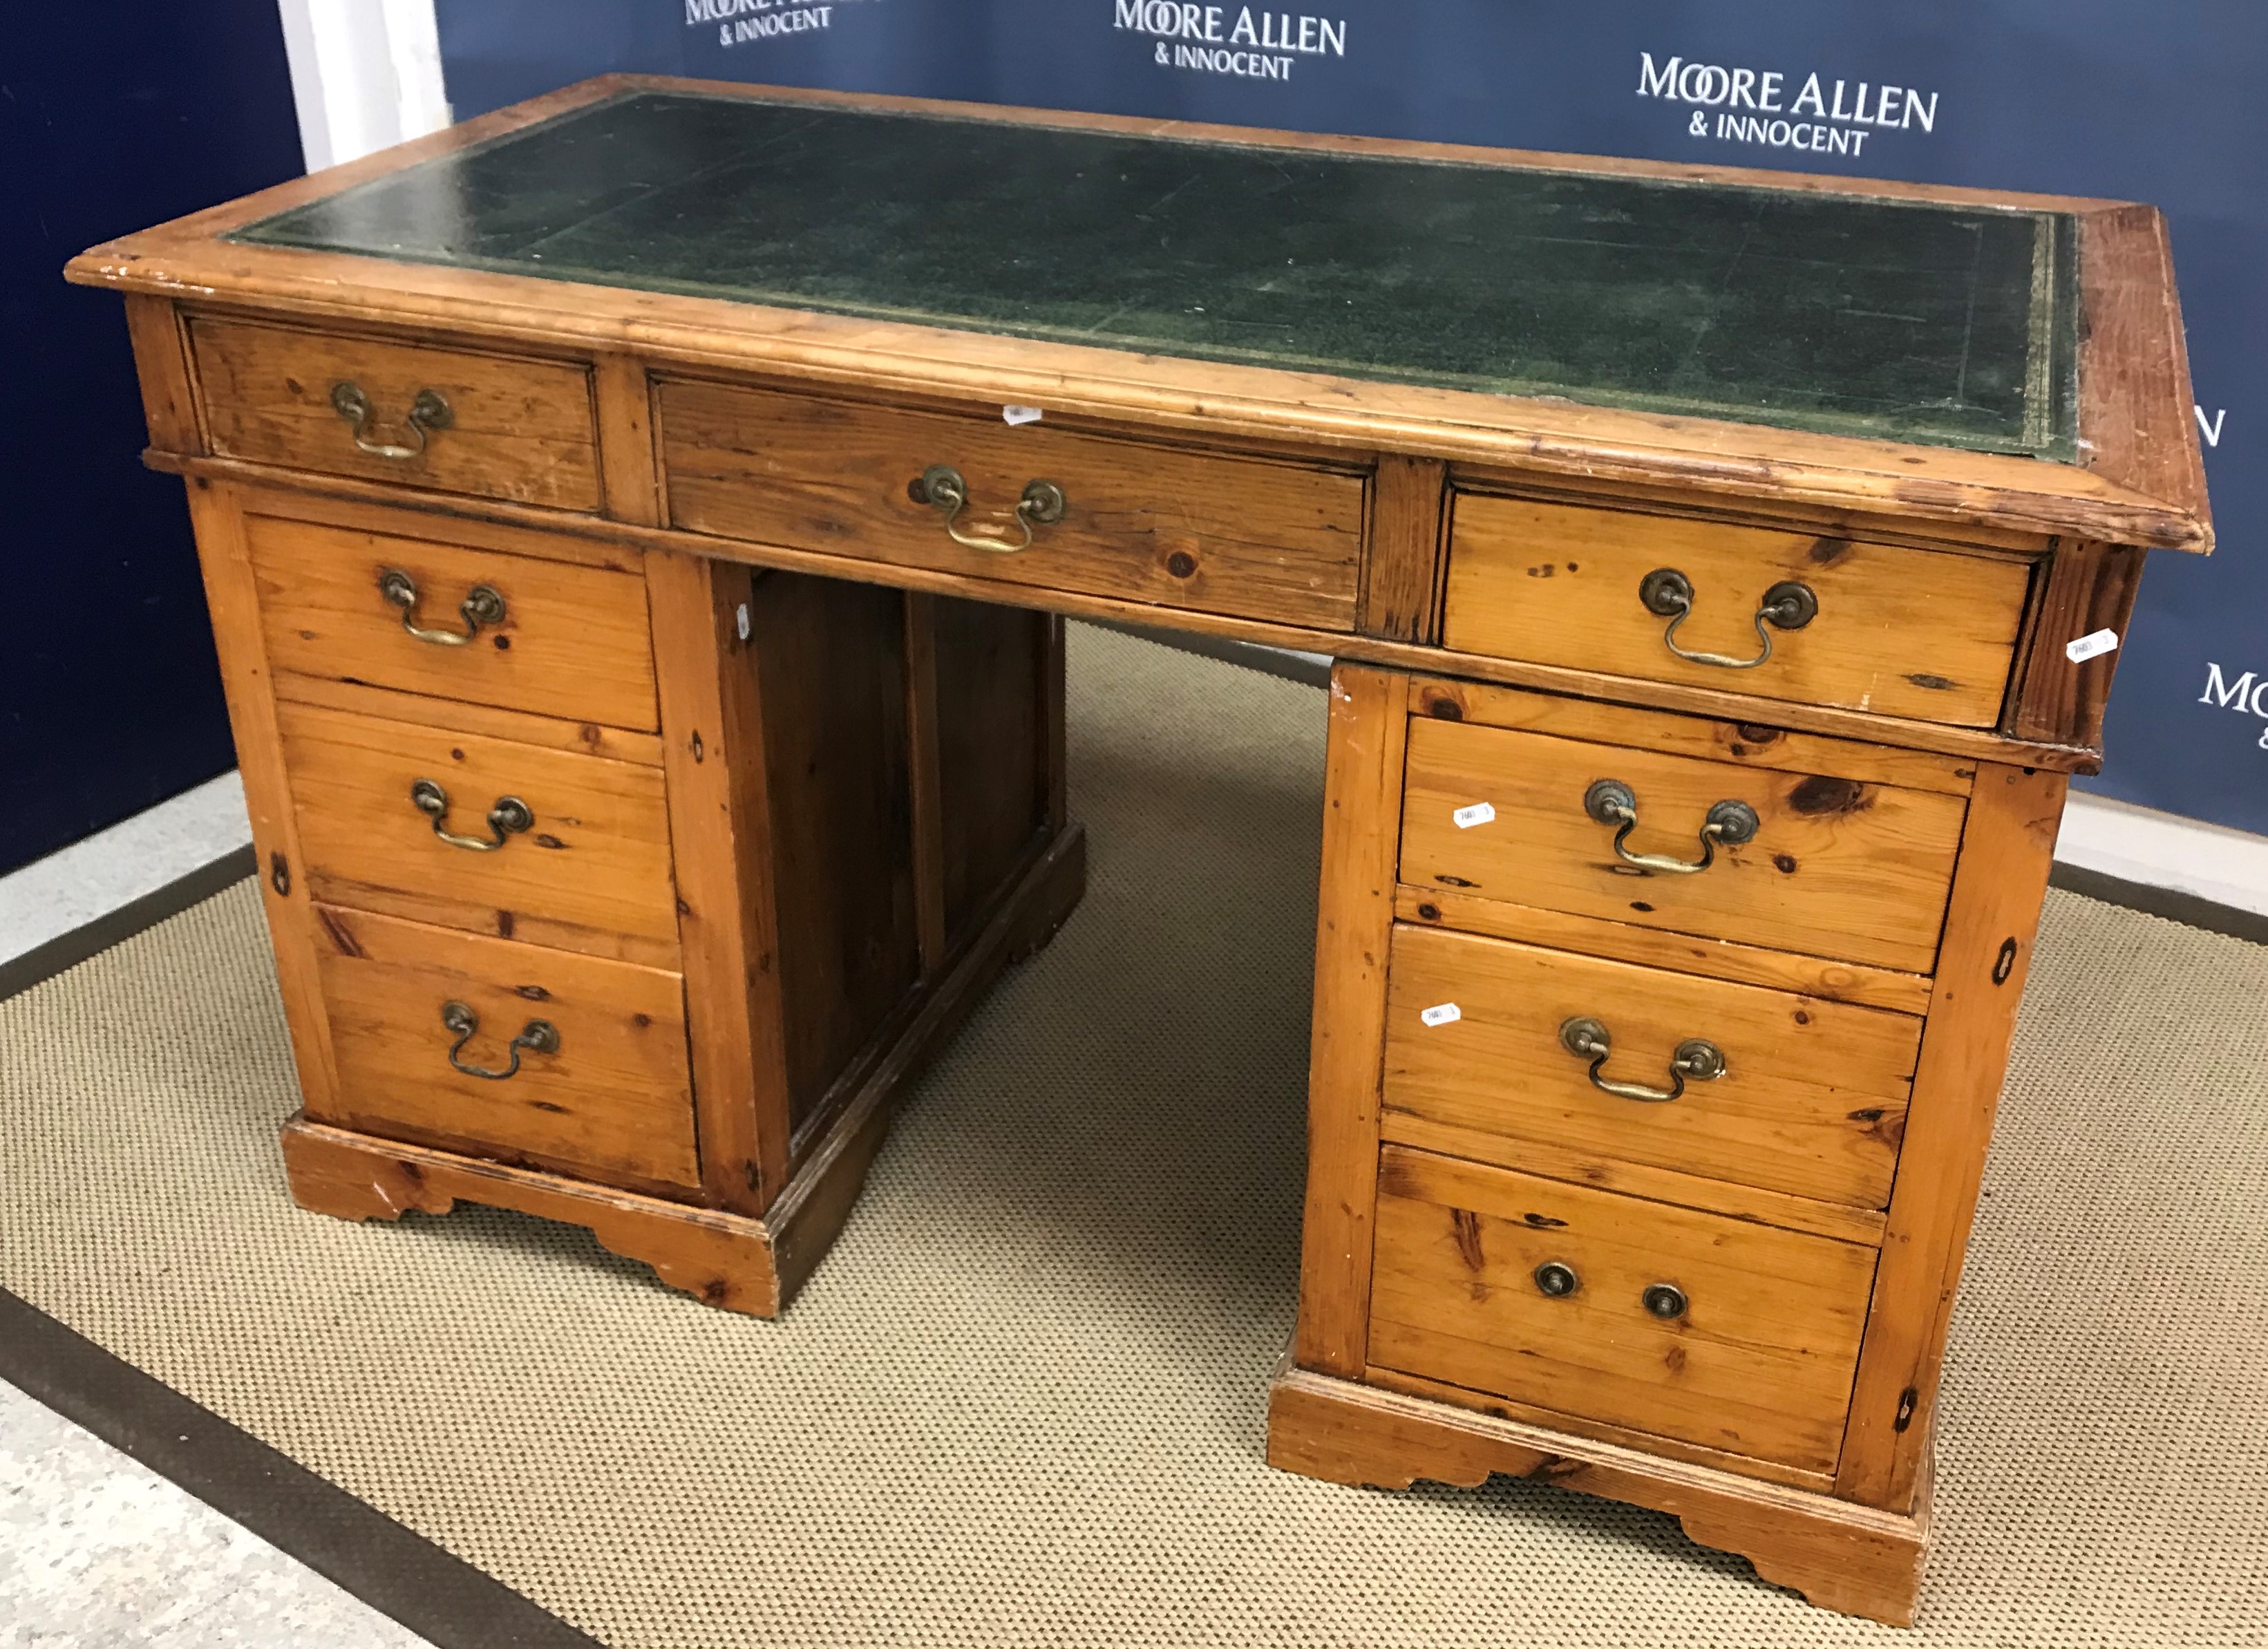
(638, 524)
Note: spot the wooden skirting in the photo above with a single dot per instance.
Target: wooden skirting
(1842, 1557)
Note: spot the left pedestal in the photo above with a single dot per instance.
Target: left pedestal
(625, 889)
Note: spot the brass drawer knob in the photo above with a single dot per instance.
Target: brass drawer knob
(509, 817)
(481, 606)
(1665, 1300)
(942, 487)
(1695, 1060)
(428, 413)
(1612, 802)
(537, 1036)
(1667, 594)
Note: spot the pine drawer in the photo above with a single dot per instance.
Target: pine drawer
(407, 415)
(418, 1014)
(1206, 531)
(1843, 859)
(484, 834)
(1726, 1081)
(1734, 1336)
(557, 638)
(1925, 634)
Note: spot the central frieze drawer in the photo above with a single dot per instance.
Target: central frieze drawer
(1039, 505)
(1721, 1332)
(1925, 634)
(1828, 866)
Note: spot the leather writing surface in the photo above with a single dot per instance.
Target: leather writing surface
(1910, 321)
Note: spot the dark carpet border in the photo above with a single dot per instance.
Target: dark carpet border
(395, 1570)
(2175, 906)
(67, 950)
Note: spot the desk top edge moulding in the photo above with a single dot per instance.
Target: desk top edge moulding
(2139, 478)
(638, 525)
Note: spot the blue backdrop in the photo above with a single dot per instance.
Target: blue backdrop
(2139, 102)
(110, 698)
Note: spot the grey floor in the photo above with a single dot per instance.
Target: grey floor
(98, 1552)
(90, 879)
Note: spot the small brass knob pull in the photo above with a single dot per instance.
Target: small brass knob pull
(1612, 802)
(481, 606)
(1555, 1279)
(537, 1036)
(1667, 594)
(428, 413)
(942, 487)
(509, 817)
(1667, 1301)
(1695, 1060)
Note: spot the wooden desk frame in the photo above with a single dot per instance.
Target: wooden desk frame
(1852, 1539)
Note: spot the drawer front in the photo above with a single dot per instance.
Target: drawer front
(571, 641)
(1808, 1097)
(1925, 634)
(521, 431)
(1837, 867)
(1758, 1361)
(612, 1099)
(1141, 523)
(586, 868)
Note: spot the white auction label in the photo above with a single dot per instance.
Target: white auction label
(1020, 414)
(1479, 813)
(2092, 646)
(1446, 1014)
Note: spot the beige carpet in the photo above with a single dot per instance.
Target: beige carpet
(1022, 1401)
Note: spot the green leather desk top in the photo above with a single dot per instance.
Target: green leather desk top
(1941, 325)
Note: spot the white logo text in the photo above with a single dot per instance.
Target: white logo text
(1256, 45)
(1823, 121)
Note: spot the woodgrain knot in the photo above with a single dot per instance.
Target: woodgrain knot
(1819, 797)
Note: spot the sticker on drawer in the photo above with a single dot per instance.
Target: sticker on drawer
(2093, 646)
(1480, 814)
(1447, 1013)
